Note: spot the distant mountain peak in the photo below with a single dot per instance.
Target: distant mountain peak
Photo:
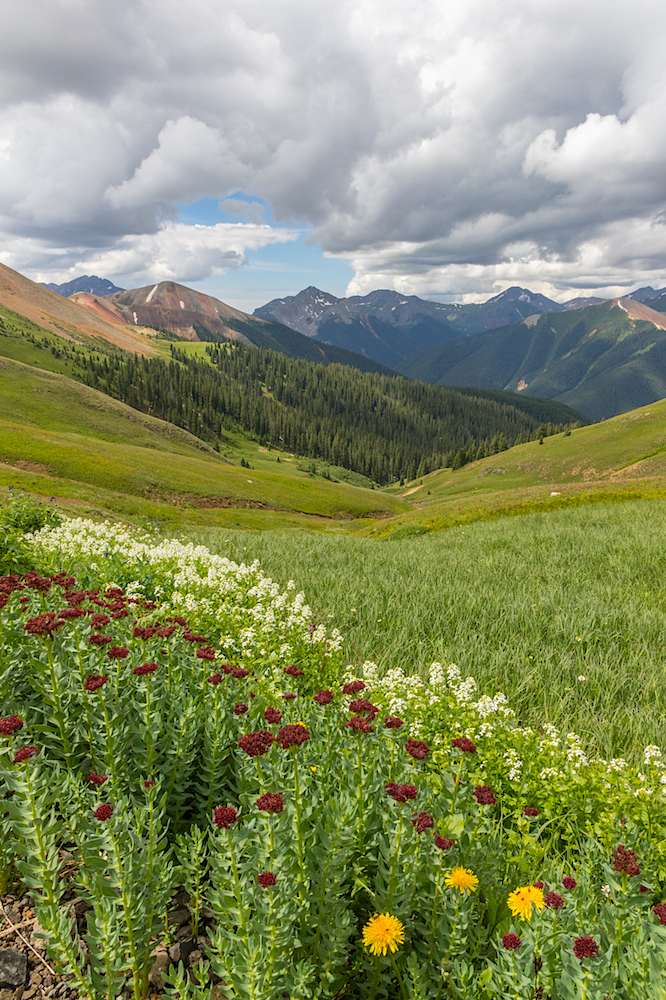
(89, 283)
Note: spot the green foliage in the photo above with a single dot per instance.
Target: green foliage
(20, 514)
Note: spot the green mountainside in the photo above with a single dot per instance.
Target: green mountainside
(600, 360)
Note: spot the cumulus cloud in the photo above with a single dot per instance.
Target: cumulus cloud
(441, 148)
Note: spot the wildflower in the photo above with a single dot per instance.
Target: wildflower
(464, 744)
(103, 812)
(240, 708)
(145, 668)
(462, 878)
(288, 697)
(271, 802)
(363, 706)
(200, 640)
(400, 792)
(224, 817)
(292, 735)
(239, 673)
(144, 632)
(393, 722)
(99, 621)
(206, 653)
(644, 888)
(443, 843)
(417, 749)
(272, 716)
(97, 779)
(359, 725)
(99, 640)
(511, 942)
(293, 671)
(660, 912)
(24, 753)
(256, 744)
(383, 932)
(94, 682)
(10, 724)
(118, 652)
(568, 882)
(522, 900)
(606, 891)
(215, 679)
(484, 795)
(177, 621)
(266, 879)
(553, 900)
(44, 624)
(228, 668)
(585, 947)
(422, 821)
(71, 613)
(323, 697)
(539, 885)
(149, 783)
(530, 811)
(167, 632)
(353, 687)
(624, 860)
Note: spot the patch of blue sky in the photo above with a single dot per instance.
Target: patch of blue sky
(273, 271)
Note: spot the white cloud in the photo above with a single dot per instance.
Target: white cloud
(434, 144)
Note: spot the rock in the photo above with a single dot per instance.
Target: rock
(161, 963)
(13, 967)
(194, 959)
(180, 951)
(184, 933)
(176, 918)
(30, 992)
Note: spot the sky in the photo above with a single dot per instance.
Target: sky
(250, 148)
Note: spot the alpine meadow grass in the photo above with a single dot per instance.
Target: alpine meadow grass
(565, 612)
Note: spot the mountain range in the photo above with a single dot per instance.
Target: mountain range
(85, 283)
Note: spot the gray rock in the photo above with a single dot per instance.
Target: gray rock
(13, 967)
(161, 963)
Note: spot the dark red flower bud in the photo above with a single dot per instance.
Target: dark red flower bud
(145, 668)
(99, 640)
(10, 724)
(363, 706)
(118, 652)
(272, 716)
(625, 861)
(422, 821)
(166, 633)
(256, 744)
(359, 725)
(417, 749)
(271, 802)
(292, 736)
(530, 811)
(323, 697)
(393, 722)
(585, 947)
(353, 687)
(511, 942)
(206, 653)
(463, 743)
(239, 673)
(293, 671)
(224, 817)
(227, 668)
(484, 795)
(99, 621)
(103, 812)
(215, 679)
(660, 912)
(97, 779)
(266, 879)
(288, 697)
(149, 783)
(443, 843)
(24, 753)
(44, 624)
(177, 621)
(553, 900)
(94, 682)
(568, 882)
(240, 708)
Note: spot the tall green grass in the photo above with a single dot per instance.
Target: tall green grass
(526, 605)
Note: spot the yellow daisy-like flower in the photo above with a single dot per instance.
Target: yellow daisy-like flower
(381, 932)
(524, 900)
(463, 879)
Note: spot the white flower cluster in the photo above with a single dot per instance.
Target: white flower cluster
(514, 763)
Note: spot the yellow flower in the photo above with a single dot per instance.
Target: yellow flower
(522, 900)
(381, 932)
(463, 879)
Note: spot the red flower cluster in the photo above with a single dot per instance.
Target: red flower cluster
(224, 817)
(24, 753)
(206, 653)
(359, 725)
(272, 716)
(625, 861)
(72, 613)
(553, 900)
(484, 795)
(227, 668)
(401, 792)
(118, 652)
(568, 882)
(145, 668)
(145, 631)
(585, 947)
(393, 722)
(200, 640)
(149, 783)
(463, 743)
(215, 679)
(660, 912)
(167, 632)
(97, 779)
(103, 812)
(256, 744)
(323, 697)
(423, 821)
(10, 724)
(443, 843)
(288, 697)
(361, 706)
(272, 802)
(45, 624)
(99, 621)
(539, 885)
(417, 749)
(94, 682)
(99, 640)
(240, 708)
(266, 879)
(511, 942)
(177, 621)
(239, 673)
(290, 736)
(530, 811)
(293, 671)
(37, 582)
(353, 687)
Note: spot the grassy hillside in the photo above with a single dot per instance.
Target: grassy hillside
(62, 438)
(599, 360)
